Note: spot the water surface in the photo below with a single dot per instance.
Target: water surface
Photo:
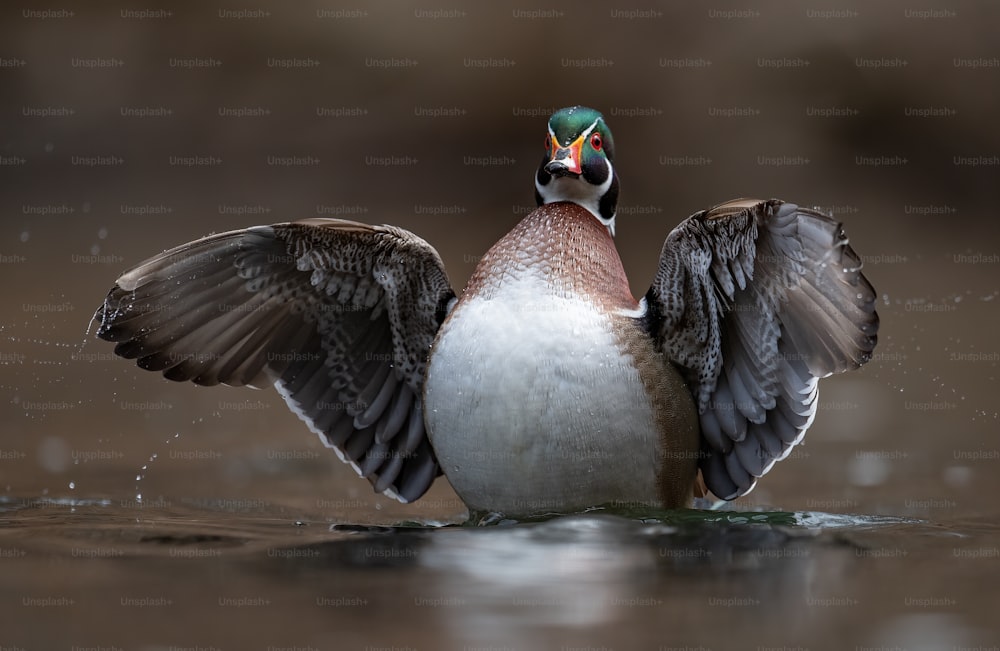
(89, 572)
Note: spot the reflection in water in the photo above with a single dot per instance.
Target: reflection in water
(679, 579)
(581, 572)
(586, 571)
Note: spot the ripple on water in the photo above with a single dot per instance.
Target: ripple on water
(806, 575)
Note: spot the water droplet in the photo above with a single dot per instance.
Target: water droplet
(72, 485)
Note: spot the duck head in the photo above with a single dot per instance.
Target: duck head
(578, 164)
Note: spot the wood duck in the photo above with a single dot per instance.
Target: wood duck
(545, 386)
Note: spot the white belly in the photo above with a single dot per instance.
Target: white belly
(532, 404)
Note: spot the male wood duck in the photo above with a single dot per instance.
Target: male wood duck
(545, 386)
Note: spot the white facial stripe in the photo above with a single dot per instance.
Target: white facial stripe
(589, 129)
(604, 187)
(584, 134)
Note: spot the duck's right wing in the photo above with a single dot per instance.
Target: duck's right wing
(339, 316)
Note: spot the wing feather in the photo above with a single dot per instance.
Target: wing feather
(755, 301)
(338, 316)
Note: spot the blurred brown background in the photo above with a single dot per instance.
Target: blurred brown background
(127, 130)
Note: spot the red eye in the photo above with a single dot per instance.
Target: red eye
(596, 142)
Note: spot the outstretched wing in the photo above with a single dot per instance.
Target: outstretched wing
(339, 316)
(755, 301)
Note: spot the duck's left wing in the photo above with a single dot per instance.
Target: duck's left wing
(755, 301)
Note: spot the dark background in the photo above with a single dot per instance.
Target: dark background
(883, 113)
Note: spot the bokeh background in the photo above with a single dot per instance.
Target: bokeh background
(126, 129)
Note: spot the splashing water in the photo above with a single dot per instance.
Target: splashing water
(141, 474)
(939, 366)
(139, 477)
